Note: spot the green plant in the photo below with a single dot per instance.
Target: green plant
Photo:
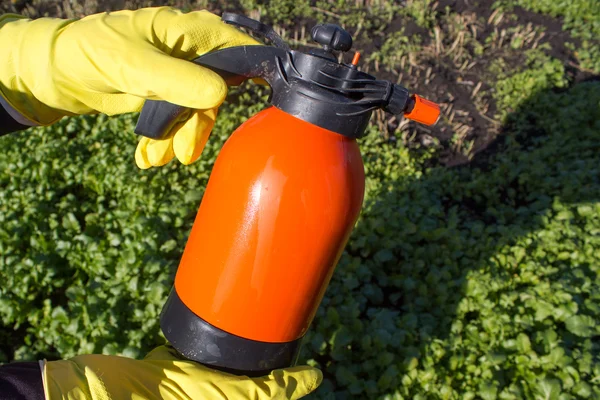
(88, 243)
(283, 12)
(422, 11)
(367, 17)
(477, 282)
(396, 46)
(540, 73)
(580, 17)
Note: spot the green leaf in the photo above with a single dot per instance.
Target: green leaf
(384, 255)
(344, 376)
(543, 310)
(547, 389)
(168, 246)
(581, 325)
(550, 338)
(585, 210)
(523, 343)
(70, 222)
(341, 337)
(193, 196)
(564, 215)
(583, 389)
(488, 391)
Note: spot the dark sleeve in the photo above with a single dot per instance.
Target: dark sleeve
(21, 381)
(8, 125)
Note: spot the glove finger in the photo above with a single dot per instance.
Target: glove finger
(157, 76)
(289, 383)
(163, 68)
(190, 138)
(154, 153)
(141, 158)
(195, 33)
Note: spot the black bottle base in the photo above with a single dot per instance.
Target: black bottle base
(200, 341)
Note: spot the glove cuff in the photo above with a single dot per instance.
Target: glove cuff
(11, 120)
(26, 82)
(21, 380)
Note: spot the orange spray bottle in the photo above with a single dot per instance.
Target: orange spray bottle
(281, 201)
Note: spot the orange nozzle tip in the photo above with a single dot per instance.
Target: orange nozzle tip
(424, 111)
(356, 58)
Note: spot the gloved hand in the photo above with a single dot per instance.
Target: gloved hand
(110, 63)
(163, 374)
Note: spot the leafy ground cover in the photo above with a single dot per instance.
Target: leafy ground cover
(473, 271)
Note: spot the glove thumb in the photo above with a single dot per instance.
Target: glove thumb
(291, 383)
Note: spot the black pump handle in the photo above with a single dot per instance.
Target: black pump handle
(234, 64)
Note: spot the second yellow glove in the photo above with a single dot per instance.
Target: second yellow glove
(110, 63)
(163, 374)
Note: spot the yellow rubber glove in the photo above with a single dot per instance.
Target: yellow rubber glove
(163, 374)
(109, 63)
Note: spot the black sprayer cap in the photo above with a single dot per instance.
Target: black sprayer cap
(312, 86)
